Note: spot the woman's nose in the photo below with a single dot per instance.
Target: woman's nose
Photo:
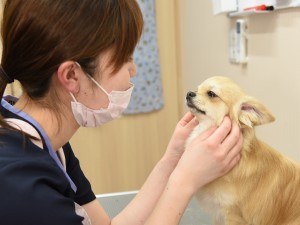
(132, 69)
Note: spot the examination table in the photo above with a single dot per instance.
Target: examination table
(113, 203)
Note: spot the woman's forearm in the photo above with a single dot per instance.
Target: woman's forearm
(142, 206)
(171, 205)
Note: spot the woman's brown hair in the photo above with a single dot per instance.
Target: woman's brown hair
(39, 35)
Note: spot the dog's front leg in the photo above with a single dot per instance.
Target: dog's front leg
(235, 219)
(233, 216)
(217, 222)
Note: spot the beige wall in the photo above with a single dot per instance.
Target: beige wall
(272, 74)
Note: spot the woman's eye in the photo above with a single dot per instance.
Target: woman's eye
(212, 94)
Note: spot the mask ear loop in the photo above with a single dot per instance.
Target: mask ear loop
(98, 85)
(93, 80)
(73, 97)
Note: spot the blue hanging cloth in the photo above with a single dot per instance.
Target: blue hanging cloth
(147, 95)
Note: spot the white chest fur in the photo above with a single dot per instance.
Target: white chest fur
(214, 201)
(203, 126)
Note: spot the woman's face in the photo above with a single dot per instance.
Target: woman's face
(92, 96)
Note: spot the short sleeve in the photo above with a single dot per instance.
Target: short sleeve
(84, 192)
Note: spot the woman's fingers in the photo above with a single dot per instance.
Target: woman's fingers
(232, 137)
(221, 132)
(186, 119)
(234, 155)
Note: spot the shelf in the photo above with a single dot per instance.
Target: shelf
(288, 6)
(248, 13)
(252, 12)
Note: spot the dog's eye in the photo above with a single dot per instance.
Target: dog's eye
(212, 94)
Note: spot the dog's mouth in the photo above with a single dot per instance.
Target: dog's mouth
(191, 105)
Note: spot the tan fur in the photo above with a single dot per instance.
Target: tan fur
(264, 188)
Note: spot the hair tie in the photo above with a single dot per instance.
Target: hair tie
(4, 76)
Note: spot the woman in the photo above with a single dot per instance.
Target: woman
(74, 62)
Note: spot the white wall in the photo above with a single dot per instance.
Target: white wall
(272, 74)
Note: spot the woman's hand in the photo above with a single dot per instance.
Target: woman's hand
(182, 131)
(209, 156)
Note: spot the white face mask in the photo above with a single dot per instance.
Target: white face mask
(118, 102)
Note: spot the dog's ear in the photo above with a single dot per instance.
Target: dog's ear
(252, 113)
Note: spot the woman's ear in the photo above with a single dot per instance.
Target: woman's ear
(68, 75)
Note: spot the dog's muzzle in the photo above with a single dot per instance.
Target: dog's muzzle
(189, 99)
(190, 95)
(189, 102)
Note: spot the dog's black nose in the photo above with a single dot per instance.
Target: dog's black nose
(190, 95)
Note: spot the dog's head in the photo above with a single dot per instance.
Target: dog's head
(218, 97)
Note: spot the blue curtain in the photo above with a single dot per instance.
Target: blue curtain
(148, 94)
